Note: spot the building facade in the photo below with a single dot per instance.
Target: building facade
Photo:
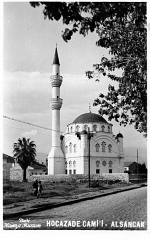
(92, 131)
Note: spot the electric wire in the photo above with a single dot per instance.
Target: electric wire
(26, 130)
(51, 130)
(31, 124)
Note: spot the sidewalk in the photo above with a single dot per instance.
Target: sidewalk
(40, 204)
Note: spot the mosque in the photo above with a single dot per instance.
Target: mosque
(88, 143)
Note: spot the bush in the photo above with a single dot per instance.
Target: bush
(10, 188)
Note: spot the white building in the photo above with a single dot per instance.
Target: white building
(106, 150)
(88, 135)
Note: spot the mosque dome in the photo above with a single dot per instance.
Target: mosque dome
(84, 132)
(119, 135)
(90, 118)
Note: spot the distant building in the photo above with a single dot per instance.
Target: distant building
(37, 169)
(13, 171)
(8, 162)
(130, 167)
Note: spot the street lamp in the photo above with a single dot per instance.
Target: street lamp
(137, 167)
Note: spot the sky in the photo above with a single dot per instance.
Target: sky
(29, 44)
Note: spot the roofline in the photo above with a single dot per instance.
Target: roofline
(90, 123)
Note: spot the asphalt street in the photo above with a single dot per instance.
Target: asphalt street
(121, 211)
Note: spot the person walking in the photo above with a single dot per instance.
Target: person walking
(40, 188)
(35, 187)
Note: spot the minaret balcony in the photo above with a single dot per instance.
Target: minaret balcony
(56, 80)
(56, 103)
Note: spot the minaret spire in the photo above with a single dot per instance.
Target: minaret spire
(56, 58)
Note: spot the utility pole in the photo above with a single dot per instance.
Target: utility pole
(89, 138)
(137, 167)
(89, 135)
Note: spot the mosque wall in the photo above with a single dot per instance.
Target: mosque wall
(100, 165)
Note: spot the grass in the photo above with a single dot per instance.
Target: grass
(15, 192)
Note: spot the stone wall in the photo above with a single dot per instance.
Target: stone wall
(123, 177)
(17, 174)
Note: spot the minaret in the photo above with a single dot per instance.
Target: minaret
(56, 164)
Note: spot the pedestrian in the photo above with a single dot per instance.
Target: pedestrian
(35, 187)
(40, 187)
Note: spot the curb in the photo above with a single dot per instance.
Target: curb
(51, 206)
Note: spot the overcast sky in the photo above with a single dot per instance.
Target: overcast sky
(29, 45)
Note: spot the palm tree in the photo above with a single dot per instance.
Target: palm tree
(24, 152)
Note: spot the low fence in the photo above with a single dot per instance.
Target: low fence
(123, 177)
(135, 178)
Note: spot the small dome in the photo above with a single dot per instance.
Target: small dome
(119, 135)
(89, 118)
(84, 132)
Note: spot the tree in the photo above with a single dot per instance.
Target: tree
(142, 169)
(24, 152)
(121, 28)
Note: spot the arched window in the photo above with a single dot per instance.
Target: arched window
(97, 164)
(66, 149)
(104, 163)
(77, 128)
(109, 148)
(70, 164)
(86, 127)
(97, 147)
(108, 128)
(75, 148)
(70, 147)
(74, 163)
(103, 146)
(71, 129)
(94, 128)
(103, 127)
(110, 164)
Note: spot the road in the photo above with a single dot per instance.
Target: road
(121, 211)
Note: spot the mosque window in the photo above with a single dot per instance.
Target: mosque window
(66, 171)
(74, 171)
(70, 171)
(66, 149)
(75, 148)
(74, 163)
(103, 146)
(71, 129)
(70, 164)
(94, 128)
(97, 147)
(97, 163)
(108, 128)
(97, 171)
(103, 127)
(110, 170)
(77, 128)
(86, 127)
(109, 148)
(104, 163)
(70, 147)
(110, 164)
